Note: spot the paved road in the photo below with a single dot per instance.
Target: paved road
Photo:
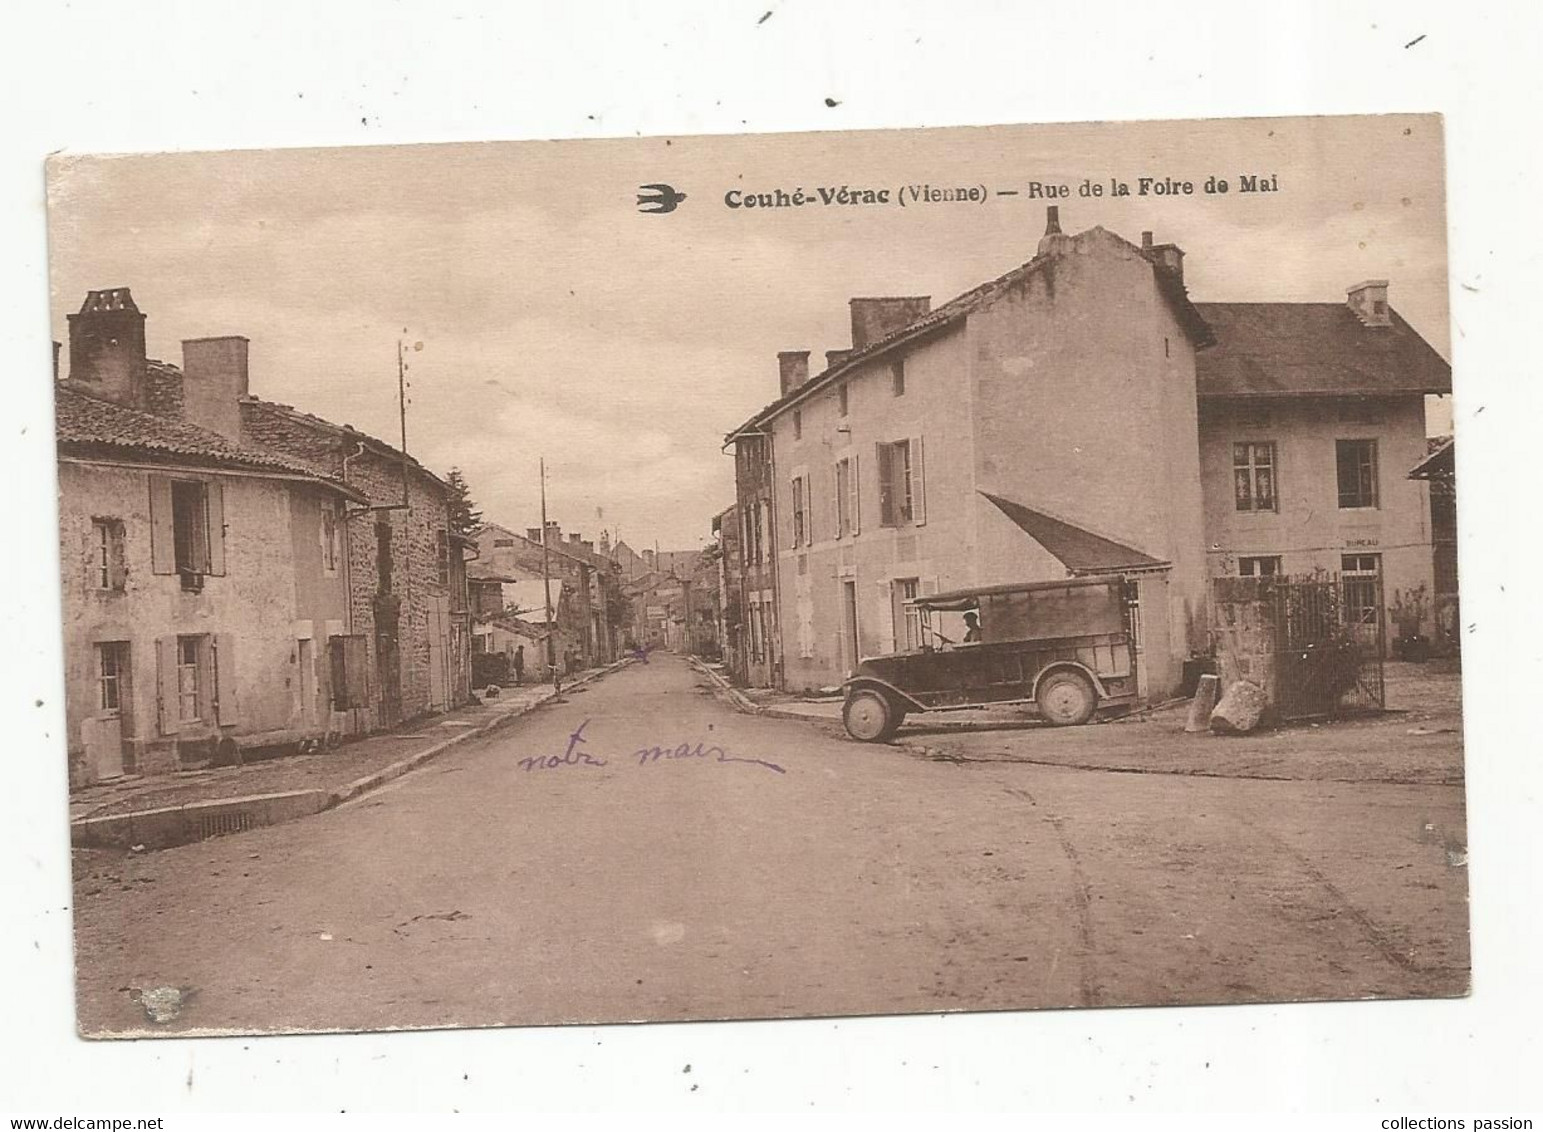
(768, 868)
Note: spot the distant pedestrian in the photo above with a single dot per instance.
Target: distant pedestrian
(519, 665)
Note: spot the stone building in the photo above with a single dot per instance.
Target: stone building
(1076, 415)
(407, 565)
(592, 615)
(205, 600)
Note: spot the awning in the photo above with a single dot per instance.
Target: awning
(1080, 551)
(1439, 465)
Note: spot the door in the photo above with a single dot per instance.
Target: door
(439, 653)
(907, 619)
(106, 733)
(849, 623)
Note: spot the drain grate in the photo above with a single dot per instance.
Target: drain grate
(217, 825)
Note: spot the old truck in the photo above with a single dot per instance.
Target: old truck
(1063, 648)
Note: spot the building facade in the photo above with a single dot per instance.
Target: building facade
(204, 582)
(406, 568)
(592, 580)
(1078, 415)
(1311, 415)
(1038, 426)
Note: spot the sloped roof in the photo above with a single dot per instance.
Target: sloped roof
(1441, 464)
(86, 425)
(347, 432)
(1301, 349)
(1080, 551)
(1168, 283)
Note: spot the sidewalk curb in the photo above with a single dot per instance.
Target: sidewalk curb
(168, 826)
(741, 702)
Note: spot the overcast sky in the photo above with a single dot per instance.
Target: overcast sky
(555, 319)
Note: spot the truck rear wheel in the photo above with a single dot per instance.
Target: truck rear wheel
(870, 717)
(1066, 698)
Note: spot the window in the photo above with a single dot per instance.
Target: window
(442, 555)
(107, 562)
(329, 538)
(1259, 566)
(1253, 476)
(1361, 574)
(112, 659)
(843, 497)
(841, 398)
(189, 679)
(798, 424)
(897, 376)
(908, 625)
(187, 529)
(896, 495)
(798, 511)
(1357, 461)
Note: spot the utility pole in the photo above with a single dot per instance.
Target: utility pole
(546, 582)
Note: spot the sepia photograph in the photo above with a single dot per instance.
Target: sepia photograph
(759, 576)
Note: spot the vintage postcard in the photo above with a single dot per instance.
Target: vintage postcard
(759, 576)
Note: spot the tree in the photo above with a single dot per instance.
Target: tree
(464, 516)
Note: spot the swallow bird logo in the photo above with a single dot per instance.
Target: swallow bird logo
(658, 198)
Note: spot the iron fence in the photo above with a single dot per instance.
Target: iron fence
(1316, 642)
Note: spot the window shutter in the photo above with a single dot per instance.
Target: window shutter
(216, 537)
(855, 489)
(163, 549)
(808, 510)
(166, 684)
(226, 706)
(918, 484)
(117, 557)
(356, 654)
(835, 499)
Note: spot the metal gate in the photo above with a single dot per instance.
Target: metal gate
(1316, 642)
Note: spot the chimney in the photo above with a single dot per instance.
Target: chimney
(533, 534)
(1054, 240)
(1169, 257)
(588, 545)
(574, 538)
(214, 381)
(1369, 301)
(605, 543)
(554, 533)
(792, 369)
(874, 320)
(834, 358)
(1146, 243)
(107, 346)
(57, 347)
(648, 557)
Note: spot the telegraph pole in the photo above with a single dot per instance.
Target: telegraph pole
(546, 583)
